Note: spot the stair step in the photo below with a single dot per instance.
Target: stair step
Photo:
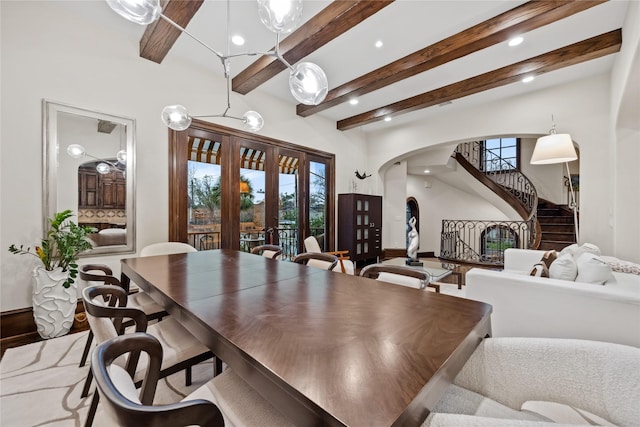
(558, 237)
(547, 245)
(555, 219)
(557, 227)
(554, 212)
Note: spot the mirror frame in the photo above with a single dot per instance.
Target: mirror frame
(50, 112)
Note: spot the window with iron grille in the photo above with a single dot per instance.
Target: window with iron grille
(500, 154)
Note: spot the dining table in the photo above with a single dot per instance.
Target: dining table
(323, 347)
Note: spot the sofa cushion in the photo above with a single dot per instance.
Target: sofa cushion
(592, 269)
(564, 268)
(622, 266)
(459, 400)
(563, 414)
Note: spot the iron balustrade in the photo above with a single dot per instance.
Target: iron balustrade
(502, 172)
(483, 241)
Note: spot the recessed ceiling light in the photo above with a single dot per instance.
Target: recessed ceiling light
(378, 44)
(387, 119)
(427, 171)
(238, 40)
(353, 101)
(515, 41)
(528, 79)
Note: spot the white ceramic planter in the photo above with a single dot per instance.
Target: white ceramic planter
(54, 306)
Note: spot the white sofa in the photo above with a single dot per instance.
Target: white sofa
(536, 382)
(526, 306)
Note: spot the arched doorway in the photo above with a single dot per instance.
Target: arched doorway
(412, 210)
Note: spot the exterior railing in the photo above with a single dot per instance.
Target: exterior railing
(483, 241)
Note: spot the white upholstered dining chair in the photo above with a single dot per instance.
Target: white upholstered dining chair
(399, 275)
(345, 265)
(224, 400)
(100, 274)
(268, 251)
(106, 308)
(166, 248)
(322, 260)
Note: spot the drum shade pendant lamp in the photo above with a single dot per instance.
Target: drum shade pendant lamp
(307, 81)
(558, 148)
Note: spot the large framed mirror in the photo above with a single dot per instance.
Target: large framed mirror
(89, 167)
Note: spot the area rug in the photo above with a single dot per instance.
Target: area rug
(40, 384)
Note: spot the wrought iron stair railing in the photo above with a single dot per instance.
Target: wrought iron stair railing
(484, 241)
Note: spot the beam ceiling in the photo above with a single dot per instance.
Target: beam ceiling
(519, 20)
(331, 22)
(576, 53)
(160, 36)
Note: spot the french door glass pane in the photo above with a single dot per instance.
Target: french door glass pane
(204, 194)
(288, 205)
(252, 196)
(317, 200)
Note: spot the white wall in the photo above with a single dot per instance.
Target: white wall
(580, 108)
(394, 206)
(625, 141)
(442, 201)
(50, 51)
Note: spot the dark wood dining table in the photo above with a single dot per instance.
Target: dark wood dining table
(323, 347)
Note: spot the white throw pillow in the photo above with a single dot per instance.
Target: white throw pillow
(571, 249)
(592, 269)
(589, 248)
(564, 414)
(564, 268)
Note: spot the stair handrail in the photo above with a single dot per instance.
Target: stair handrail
(509, 182)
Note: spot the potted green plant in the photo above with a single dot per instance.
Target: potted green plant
(54, 294)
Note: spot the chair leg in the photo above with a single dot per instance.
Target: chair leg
(92, 409)
(87, 384)
(87, 347)
(187, 376)
(217, 366)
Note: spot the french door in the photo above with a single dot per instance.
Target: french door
(231, 189)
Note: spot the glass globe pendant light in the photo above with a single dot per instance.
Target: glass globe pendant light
(308, 83)
(141, 12)
(253, 121)
(280, 16)
(122, 157)
(176, 117)
(76, 151)
(103, 168)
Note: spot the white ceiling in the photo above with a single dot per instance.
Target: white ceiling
(404, 27)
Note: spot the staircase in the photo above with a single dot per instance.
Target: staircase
(557, 225)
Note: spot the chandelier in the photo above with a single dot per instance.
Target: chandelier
(103, 167)
(307, 81)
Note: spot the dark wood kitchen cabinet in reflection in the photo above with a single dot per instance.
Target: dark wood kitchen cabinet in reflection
(98, 191)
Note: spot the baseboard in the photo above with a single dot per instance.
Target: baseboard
(394, 253)
(17, 323)
(402, 253)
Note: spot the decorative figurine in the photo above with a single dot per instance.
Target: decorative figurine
(414, 241)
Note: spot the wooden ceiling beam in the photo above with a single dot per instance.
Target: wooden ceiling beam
(519, 20)
(576, 53)
(331, 22)
(160, 36)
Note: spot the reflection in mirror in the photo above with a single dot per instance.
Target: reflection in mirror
(89, 168)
